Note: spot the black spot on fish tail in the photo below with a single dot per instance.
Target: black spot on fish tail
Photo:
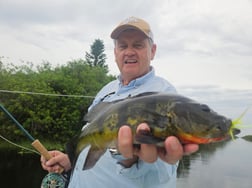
(93, 156)
(145, 137)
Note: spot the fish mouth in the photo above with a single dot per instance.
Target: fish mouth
(234, 131)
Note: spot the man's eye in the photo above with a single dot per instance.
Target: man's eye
(138, 46)
(122, 46)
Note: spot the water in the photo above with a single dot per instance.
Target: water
(226, 164)
(20, 170)
(223, 165)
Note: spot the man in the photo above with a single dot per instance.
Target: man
(148, 166)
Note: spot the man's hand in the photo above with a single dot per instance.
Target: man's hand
(58, 161)
(171, 153)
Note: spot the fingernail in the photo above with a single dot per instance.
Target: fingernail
(125, 132)
(175, 145)
(143, 127)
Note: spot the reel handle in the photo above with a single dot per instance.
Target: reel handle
(43, 151)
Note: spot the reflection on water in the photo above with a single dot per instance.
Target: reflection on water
(20, 170)
(203, 155)
(225, 165)
(222, 165)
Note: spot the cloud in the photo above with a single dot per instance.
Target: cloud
(199, 42)
(207, 27)
(229, 102)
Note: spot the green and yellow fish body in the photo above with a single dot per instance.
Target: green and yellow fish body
(166, 114)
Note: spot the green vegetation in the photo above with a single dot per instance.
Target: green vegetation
(53, 118)
(96, 57)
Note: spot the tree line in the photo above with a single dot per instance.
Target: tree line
(53, 100)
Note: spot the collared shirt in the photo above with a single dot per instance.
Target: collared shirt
(107, 173)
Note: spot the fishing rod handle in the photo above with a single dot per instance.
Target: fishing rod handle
(43, 151)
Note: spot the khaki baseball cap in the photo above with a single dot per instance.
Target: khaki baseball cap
(132, 23)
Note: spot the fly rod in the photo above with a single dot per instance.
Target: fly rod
(51, 179)
(35, 142)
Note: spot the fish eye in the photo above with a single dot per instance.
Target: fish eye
(219, 128)
(205, 108)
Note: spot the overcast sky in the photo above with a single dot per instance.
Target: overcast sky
(203, 44)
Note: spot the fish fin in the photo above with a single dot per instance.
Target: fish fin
(103, 106)
(93, 156)
(145, 94)
(146, 137)
(97, 109)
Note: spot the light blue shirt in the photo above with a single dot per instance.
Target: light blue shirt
(107, 173)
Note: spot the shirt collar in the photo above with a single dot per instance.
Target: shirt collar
(138, 81)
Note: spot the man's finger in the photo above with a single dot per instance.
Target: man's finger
(125, 142)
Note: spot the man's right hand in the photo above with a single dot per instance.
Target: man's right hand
(58, 161)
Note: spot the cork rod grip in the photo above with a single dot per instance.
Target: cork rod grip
(44, 152)
(41, 149)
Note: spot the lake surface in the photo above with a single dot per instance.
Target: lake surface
(225, 164)
(222, 165)
(20, 170)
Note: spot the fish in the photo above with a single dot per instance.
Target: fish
(166, 114)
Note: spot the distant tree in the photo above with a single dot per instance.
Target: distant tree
(97, 57)
(1, 63)
(47, 116)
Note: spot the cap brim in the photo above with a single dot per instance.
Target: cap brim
(117, 31)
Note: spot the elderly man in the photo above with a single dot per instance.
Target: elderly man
(149, 166)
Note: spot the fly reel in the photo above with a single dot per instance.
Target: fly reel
(53, 180)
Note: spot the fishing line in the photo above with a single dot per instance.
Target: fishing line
(19, 146)
(46, 94)
(51, 180)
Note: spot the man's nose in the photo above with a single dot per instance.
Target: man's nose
(130, 51)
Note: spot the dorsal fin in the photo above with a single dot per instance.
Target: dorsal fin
(100, 107)
(145, 94)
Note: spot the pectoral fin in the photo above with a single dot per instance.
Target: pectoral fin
(145, 137)
(93, 156)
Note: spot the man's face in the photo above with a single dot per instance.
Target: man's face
(133, 54)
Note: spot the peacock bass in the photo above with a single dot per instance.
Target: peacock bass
(166, 114)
